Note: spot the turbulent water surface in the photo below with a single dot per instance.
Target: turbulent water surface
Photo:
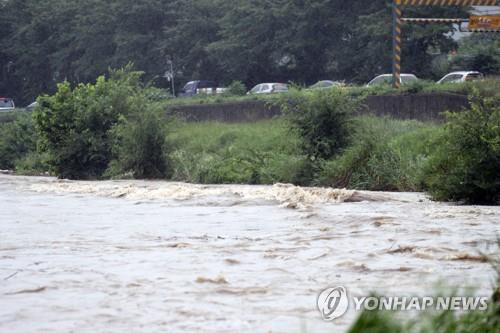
(131, 256)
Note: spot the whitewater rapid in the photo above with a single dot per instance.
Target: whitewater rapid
(152, 256)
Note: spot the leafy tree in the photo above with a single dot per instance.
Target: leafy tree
(466, 163)
(74, 124)
(140, 147)
(49, 41)
(479, 52)
(323, 119)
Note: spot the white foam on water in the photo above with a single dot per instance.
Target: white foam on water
(153, 256)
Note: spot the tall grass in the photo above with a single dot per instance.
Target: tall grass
(433, 321)
(258, 153)
(385, 154)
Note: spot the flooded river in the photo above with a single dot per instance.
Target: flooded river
(136, 256)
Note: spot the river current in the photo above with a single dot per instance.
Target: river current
(152, 256)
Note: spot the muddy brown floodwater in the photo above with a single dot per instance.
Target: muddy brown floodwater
(136, 256)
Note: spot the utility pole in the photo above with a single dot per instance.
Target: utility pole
(170, 75)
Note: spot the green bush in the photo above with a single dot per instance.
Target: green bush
(74, 124)
(236, 88)
(32, 164)
(17, 139)
(140, 147)
(466, 164)
(322, 118)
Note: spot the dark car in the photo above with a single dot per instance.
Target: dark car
(6, 104)
(191, 88)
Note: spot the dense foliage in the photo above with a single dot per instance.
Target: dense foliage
(140, 147)
(322, 119)
(78, 126)
(17, 139)
(48, 41)
(466, 165)
(480, 52)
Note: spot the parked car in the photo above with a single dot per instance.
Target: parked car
(31, 107)
(387, 79)
(459, 77)
(325, 84)
(269, 88)
(193, 88)
(6, 104)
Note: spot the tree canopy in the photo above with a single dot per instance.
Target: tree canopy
(48, 41)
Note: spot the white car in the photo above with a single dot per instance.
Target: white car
(6, 104)
(459, 77)
(269, 88)
(387, 79)
(32, 106)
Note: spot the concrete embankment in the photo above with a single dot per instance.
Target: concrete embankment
(422, 106)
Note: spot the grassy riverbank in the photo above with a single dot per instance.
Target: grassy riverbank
(114, 129)
(385, 154)
(267, 152)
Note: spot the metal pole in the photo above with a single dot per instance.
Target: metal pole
(397, 23)
(173, 77)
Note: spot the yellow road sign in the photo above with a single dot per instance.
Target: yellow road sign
(487, 22)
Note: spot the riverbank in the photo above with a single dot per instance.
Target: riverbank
(320, 140)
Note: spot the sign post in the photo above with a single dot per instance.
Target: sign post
(397, 25)
(477, 24)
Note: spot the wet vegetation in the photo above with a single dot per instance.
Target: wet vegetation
(116, 128)
(87, 130)
(261, 153)
(475, 321)
(466, 163)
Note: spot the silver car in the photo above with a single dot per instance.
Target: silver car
(459, 77)
(269, 88)
(387, 79)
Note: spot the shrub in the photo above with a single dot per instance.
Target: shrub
(237, 88)
(139, 147)
(74, 124)
(17, 139)
(466, 164)
(322, 119)
(32, 164)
